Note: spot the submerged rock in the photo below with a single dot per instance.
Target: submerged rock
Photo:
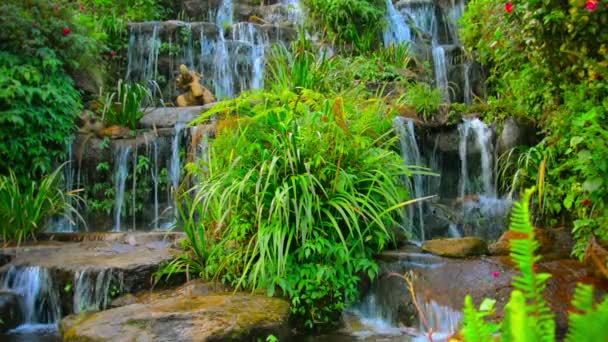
(183, 317)
(456, 247)
(10, 310)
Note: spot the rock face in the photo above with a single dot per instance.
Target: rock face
(187, 314)
(457, 247)
(10, 310)
(515, 133)
(447, 282)
(89, 273)
(169, 116)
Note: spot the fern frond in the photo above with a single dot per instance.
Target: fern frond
(518, 326)
(474, 326)
(587, 323)
(529, 283)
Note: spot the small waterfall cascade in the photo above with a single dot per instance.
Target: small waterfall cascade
(441, 69)
(41, 298)
(473, 132)
(380, 311)
(483, 212)
(67, 222)
(432, 29)
(397, 31)
(92, 290)
(228, 54)
(174, 168)
(411, 155)
(121, 159)
(254, 41)
(154, 174)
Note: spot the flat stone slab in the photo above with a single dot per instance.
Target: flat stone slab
(211, 317)
(456, 247)
(169, 116)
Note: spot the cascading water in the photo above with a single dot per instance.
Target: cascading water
(41, 301)
(483, 213)
(92, 290)
(397, 31)
(67, 223)
(121, 159)
(256, 42)
(441, 71)
(143, 51)
(154, 170)
(481, 136)
(379, 313)
(411, 156)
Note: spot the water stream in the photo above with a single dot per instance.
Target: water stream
(121, 159)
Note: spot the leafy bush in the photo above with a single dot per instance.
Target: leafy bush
(349, 22)
(38, 105)
(424, 99)
(527, 316)
(295, 199)
(548, 62)
(41, 29)
(24, 210)
(123, 107)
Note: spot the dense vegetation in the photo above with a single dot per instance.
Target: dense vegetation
(304, 184)
(548, 62)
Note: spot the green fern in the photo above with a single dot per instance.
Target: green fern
(475, 327)
(588, 322)
(530, 283)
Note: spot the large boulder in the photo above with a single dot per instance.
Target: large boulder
(169, 116)
(184, 317)
(515, 133)
(456, 247)
(10, 310)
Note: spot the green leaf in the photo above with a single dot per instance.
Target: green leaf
(591, 185)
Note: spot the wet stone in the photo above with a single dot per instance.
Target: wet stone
(183, 317)
(456, 247)
(10, 310)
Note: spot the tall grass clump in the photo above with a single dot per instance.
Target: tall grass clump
(25, 209)
(301, 190)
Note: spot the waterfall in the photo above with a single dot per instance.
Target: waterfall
(224, 14)
(142, 53)
(41, 300)
(482, 139)
(254, 41)
(155, 180)
(467, 92)
(121, 158)
(411, 155)
(441, 71)
(66, 223)
(294, 11)
(398, 31)
(92, 290)
(174, 171)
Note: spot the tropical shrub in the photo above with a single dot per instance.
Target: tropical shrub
(527, 315)
(424, 99)
(25, 209)
(41, 29)
(123, 107)
(548, 62)
(38, 105)
(349, 22)
(294, 199)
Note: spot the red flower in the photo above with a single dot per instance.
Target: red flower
(82, 8)
(56, 8)
(495, 274)
(112, 53)
(66, 31)
(586, 202)
(591, 5)
(509, 7)
(35, 25)
(535, 267)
